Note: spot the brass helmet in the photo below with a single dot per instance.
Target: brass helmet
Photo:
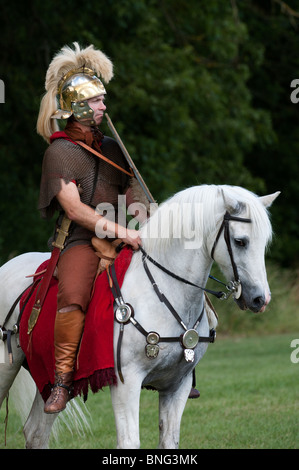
(74, 89)
(72, 78)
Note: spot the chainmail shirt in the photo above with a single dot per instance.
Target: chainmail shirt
(97, 180)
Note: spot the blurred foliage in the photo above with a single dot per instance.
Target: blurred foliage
(201, 94)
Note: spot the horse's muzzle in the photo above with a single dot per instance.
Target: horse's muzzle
(253, 300)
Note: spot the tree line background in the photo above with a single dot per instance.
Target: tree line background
(201, 94)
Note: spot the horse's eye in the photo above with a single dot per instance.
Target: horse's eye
(241, 242)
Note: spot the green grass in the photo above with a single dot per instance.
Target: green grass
(249, 399)
(250, 396)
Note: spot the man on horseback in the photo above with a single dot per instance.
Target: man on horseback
(74, 181)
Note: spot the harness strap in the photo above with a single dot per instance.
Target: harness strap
(160, 295)
(227, 217)
(218, 294)
(225, 226)
(118, 352)
(33, 286)
(7, 334)
(167, 339)
(90, 149)
(117, 292)
(12, 308)
(174, 339)
(115, 286)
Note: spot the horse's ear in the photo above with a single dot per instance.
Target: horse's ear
(231, 204)
(267, 201)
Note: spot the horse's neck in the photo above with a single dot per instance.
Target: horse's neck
(193, 266)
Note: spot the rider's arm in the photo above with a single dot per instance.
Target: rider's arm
(69, 199)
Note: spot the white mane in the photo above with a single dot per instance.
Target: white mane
(196, 212)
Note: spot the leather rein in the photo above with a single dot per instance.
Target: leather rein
(124, 312)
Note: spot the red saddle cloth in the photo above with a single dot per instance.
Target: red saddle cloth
(95, 361)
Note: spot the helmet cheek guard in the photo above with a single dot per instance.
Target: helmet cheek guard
(83, 113)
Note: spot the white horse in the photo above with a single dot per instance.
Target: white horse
(186, 233)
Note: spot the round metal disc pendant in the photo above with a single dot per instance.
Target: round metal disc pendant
(190, 339)
(153, 338)
(151, 351)
(238, 292)
(123, 313)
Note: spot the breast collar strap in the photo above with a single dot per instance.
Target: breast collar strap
(149, 335)
(124, 313)
(165, 301)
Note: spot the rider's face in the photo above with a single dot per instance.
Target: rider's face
(97, 104)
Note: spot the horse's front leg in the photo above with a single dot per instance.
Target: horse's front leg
(171, 407)
(125, 402)
(9, 371)
(38, 426)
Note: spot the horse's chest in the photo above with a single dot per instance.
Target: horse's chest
(169, 366)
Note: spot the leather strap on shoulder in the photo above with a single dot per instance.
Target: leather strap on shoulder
(90, 149)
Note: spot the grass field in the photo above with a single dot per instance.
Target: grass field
(249, 400)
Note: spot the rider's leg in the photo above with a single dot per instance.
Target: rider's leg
(67, 334)
(76, 271)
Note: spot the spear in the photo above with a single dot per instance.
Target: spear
(129, 160)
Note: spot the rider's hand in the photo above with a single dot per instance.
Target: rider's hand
(132, 237)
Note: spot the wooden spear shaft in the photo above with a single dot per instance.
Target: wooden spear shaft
(129, 160)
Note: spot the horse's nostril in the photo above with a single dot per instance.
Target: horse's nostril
(259, 301)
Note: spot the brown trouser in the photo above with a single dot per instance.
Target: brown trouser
(77, 268)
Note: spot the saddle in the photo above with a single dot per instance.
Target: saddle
(106, 251)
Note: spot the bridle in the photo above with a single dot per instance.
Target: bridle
(234, 285)
(124, 312)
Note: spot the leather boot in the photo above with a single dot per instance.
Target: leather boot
(67, 335)
(60, 393)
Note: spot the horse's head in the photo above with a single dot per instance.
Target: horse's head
(240, 249)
